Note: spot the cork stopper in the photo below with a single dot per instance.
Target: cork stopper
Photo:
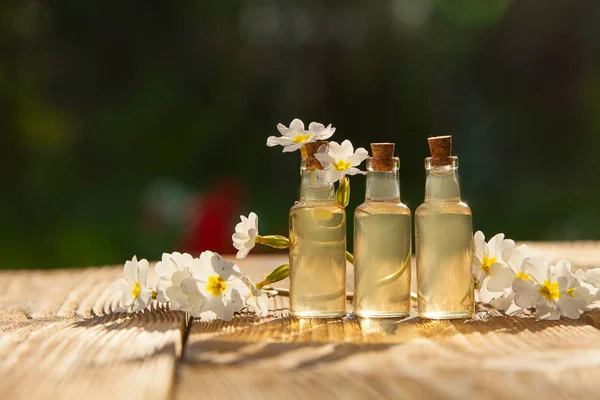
(441, 150)
(383, 156)
(311, 149)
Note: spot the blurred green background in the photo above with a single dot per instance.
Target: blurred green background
(131, 128)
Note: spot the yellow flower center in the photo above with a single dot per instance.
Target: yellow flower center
(341, 165)
(486, 263)
(523, 276)
(550, 290)
(570, 291)
(301, 138)
(216, 285)
(136, 290)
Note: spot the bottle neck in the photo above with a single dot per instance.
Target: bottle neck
(442, 182)
(383, 186)
(314, 188)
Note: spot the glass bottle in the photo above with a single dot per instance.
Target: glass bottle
(317, 246)
(444, 244)
(382, 243)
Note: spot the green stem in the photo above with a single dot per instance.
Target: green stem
(349, 257)
(275, 241)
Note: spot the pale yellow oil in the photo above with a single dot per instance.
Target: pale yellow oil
(444, 249)
(382, 248)
(318, 260)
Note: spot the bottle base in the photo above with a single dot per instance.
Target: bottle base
(445, 315)
(318, 314)
(380, 314)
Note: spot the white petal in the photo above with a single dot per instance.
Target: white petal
(273, 141)
(240, 236)
(335, 151)
(282, 128)
(538, 268)
(242, 253)
(329, 175)
(179, 276)
(485, 295)
(563, 269)
(297, 125)
(292, 147)
(253, 219)
(354, 171)
(252, 234)
(324, 158)
(358, 157)
(501, 277)
(143, 271)
(592, 277)
(189, 287)
(316, 127)
(126, 289)
(346, 150)
(481, 247)
(526, 293)
(495, 245)
(504, 302)
(177, 299)
(515, 261)
(130, 270)
(569, 306)
(164, 269)
(547, 311)
(325, 134)
(476, 269)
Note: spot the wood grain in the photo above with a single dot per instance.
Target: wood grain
(356, 358)
(59, 338)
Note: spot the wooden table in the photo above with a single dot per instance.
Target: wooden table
(59, 339)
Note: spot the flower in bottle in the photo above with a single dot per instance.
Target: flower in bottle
(295, 137)
(339, 160)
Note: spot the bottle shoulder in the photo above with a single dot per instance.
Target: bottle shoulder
(447, 207)
(382, 208)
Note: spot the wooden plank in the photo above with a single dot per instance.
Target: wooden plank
(59, 339)
(298, 358)
(490, 356)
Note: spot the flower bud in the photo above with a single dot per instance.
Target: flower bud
(278, 274)
(343, 192)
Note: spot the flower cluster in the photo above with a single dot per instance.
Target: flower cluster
(510, 278)
(338, 160)
(206, 287)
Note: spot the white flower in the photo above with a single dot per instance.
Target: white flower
(136, 296)
(502, 278)
(257, 299)
(185, 296)
(552, 290)
(488, 255)
(592, 277)
(588, 280)
(340, 160)
(171, 270)
(294, 137)
(220, 282)
(245, 234)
